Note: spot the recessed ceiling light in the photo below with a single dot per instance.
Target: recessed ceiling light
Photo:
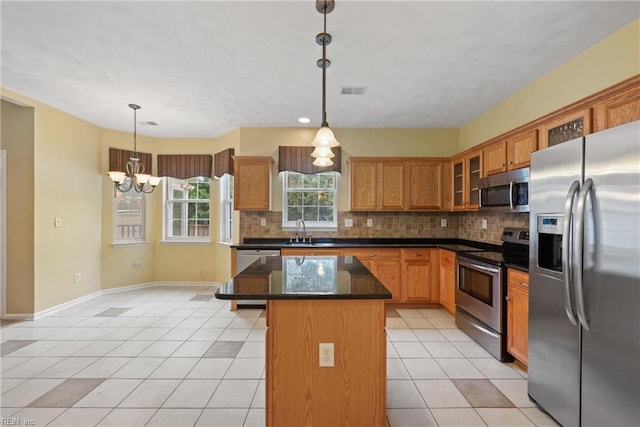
(304, 120)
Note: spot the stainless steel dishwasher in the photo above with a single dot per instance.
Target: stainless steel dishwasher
(246, 257)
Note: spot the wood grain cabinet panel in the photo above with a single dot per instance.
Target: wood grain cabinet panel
(467, 171)
(617, 110)
(384, 264)
(495, 158)
(565, 128)
(423, 180)
(518, 314)
(252, 183)
(420, 275)
(376, 185)
(448, 280)
(508, 154)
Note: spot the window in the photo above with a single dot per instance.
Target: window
(128, 217)
(186, 209)
(312, 197)
(226, 207)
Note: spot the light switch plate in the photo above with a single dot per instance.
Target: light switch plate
(484, 223)
(263, 221)
(57, 222)
(369, 222)
(443, 222)
(348, 222)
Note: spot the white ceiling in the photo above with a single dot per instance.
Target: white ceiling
(200, 69)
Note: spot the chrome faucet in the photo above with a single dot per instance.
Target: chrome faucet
(304, 230)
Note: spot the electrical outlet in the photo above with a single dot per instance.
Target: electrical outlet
(443, 223)
(326, 355)
(76, 278)
(348, 222)
(263, 221)
(369, 222)
(137, 262)
(484, 223)
(57, 222)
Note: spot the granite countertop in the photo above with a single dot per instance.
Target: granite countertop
(304, 277)
(455, 245)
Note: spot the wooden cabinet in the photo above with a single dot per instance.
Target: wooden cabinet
(252, 183)
(518, 314)
(512, 153)
(448, 280)
(467, 171)
(617, 110)
(565, 128)
(376, 184)
(420, 275)
(423, 181)
(384, 264)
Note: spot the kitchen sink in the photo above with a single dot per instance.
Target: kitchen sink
(310, 244)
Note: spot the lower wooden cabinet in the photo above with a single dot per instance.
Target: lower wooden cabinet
(384, 264)
(448, 280)
(420, 275)
(518, 314)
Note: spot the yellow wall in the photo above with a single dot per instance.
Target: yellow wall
(613, 60)
(17, 139)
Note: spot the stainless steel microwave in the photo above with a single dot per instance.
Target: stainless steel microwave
(505, 192)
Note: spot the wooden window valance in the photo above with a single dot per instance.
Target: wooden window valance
(298, 159)
(118, 160)
(185, 166)
(223, 163)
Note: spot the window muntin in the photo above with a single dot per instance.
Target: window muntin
(187, 209)
(312, 197)
(128, 217)
(226, 208)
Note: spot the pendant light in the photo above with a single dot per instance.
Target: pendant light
(134, 177)
(324, 139)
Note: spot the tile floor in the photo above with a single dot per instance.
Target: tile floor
(176, 356)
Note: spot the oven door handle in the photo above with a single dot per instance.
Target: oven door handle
(474, 266)
(511, 194)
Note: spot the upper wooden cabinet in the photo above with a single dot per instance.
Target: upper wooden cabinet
(617, 110)
(423, 181)
(252, 183)
(467, 171)
(396, 184)
(511, 153)
(565, 128)
(376, 184)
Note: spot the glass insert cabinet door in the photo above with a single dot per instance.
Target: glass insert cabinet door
(310, 275)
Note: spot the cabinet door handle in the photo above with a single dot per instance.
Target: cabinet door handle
(507, 298)
(417, 254)
(526, 285)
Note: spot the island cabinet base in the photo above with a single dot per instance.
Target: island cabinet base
(301, 393)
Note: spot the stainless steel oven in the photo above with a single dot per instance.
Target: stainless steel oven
(480, 294)
(481, 290)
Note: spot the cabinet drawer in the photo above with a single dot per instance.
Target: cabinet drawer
(417, 254)
(447, 259)
(372, 253)
(518, 277)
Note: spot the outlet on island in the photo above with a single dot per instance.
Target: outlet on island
(326, 355)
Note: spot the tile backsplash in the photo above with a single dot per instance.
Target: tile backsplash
(465, 225)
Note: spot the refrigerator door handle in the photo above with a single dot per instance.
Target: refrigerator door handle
(577, 251)
(567, 262)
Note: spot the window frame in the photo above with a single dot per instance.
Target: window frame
(226, 208)
(167, 213)
(310, 225)
(115, 241)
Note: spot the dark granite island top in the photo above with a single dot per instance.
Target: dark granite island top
(304, 277)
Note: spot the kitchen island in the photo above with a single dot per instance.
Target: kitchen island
(325, 339)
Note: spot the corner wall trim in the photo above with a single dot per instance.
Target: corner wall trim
(52, 310)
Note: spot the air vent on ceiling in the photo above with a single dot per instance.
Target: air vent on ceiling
(147, 123)
(353, 90)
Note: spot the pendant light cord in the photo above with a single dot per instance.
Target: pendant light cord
(324, 68)
(135, 132)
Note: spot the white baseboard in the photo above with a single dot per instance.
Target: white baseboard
(56, 308)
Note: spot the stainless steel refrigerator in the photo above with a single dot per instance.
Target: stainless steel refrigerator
(584, 293)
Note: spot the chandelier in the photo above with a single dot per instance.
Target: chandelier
(324, 139)
(134, 177)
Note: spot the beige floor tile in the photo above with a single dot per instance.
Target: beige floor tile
(442, 349)
(516, 391)
(245, 369)
(139, 367)
(125, 417)
(255, 418)
(36, 416)
(219, 417)
(80, 417)
(150, 394)
(424, 369)
(210, 368)
(67, 393)
(500, 417)
(418, 323)
(103, 367)
(108, 394)
(539, 418)
(174, 418)
(410, 418)
(28, 391)
(414, 350)
(403, 394)
(192, 394)
(32, 367)
(396, 370)
(67, 367)
(396, 323)
(253, 349)
(457, 417)
(441, 394)
(459, 368)
(494, 369)
(174, 367)
(234, 394)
